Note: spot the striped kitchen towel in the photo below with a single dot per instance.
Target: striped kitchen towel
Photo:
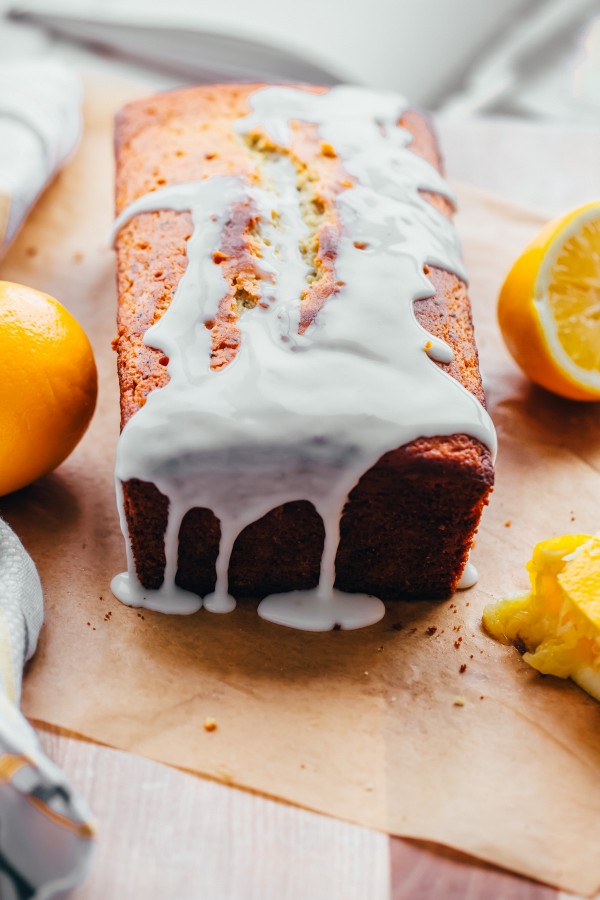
(46, 835)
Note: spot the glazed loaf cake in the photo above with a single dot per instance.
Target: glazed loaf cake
(273, 172)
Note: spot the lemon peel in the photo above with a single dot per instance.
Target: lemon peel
(48, 387)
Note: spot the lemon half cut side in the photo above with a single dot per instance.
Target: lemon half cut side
(549, 306)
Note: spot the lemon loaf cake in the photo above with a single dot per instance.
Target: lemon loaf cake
(302, 411)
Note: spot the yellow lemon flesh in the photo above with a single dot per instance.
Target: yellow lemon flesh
(48, 386)
(558, 620)
(549, 306)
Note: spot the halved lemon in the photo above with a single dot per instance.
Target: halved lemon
(549, 306)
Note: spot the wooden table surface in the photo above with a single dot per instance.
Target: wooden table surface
(166, 834)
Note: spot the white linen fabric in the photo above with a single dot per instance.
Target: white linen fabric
(45, 829)
(40, 124)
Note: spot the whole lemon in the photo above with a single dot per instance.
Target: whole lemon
(48, 386)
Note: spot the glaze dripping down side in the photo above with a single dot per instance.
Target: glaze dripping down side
(305, 404)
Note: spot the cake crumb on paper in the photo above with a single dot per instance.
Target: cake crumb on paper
(210, 724)
(458, 701)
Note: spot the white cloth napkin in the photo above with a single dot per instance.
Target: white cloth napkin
(45, 830)
(40, 124)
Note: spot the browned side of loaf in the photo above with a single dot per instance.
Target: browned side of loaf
(410, 521)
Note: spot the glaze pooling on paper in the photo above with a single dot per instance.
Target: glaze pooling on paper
(299, 416)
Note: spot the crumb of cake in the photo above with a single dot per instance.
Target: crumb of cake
(328, 149)
(431, 630)
(219, 257)
(365, 673)
(463, 669)
(457, 643)
(508, 523)
(458, 701)
(482, 697)
(210, 724)
(361, 245)
(428, 345)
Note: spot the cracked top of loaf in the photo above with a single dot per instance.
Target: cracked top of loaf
(188, 135)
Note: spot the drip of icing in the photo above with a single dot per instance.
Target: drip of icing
(468, 578)
(299, 416)
(169, 596)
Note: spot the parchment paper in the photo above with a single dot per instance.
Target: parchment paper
(360, 725)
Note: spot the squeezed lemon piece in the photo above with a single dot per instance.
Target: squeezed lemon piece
(557, 622)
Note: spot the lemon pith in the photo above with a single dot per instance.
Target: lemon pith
(48, 388)
(549, 306)
(558, 620)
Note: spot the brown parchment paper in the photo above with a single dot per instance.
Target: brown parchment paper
(360, 725)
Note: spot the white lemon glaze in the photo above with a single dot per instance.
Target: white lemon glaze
(298, 417)
(468, 578)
